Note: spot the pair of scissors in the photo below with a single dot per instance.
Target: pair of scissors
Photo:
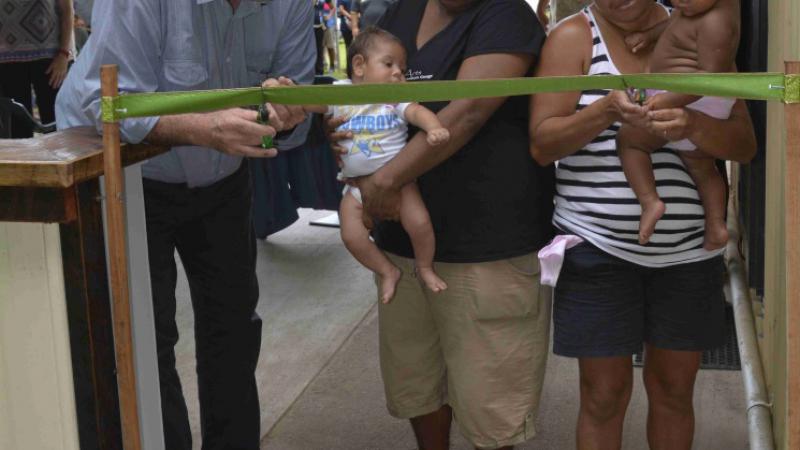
(637, 95)
(263, 119)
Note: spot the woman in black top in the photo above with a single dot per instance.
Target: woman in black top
(479, 348)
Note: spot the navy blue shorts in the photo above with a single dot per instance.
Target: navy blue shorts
(605, 306)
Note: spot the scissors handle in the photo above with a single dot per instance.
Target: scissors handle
(263, 118)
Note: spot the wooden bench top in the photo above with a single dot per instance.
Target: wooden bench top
(61, 159)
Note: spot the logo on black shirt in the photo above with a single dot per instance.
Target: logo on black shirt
(416, 75)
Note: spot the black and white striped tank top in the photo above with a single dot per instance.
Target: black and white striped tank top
(594, 200)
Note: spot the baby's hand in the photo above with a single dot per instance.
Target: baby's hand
(637, 41)
(438, 136)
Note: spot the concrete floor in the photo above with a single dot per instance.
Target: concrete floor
(319, 381)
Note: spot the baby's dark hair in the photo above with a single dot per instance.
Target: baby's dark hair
(363, 43)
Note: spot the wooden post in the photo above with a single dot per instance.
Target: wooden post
(118, 269)
(792, 232)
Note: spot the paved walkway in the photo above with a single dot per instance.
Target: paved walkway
(319, 379)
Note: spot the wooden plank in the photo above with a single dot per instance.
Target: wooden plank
(90, 322)
(792, 211)
(62, 159)
(48, 205)
(118, 270)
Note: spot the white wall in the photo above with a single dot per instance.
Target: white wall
(37, 401)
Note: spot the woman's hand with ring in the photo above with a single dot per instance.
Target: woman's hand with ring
(673, 124)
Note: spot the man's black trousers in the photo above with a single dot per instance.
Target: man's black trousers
(211, 228)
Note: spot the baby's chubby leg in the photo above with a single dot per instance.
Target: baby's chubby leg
(634, 146)
(417, 223)
(356, 238)
(711, 188)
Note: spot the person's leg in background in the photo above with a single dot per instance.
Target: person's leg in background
(45, 94)
(329, 42)
(218, 250)
(15, 83)
(165, 210)
(347, 36)
(319, 65)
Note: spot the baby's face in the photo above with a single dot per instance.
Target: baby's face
(691, 8)
(385, 63)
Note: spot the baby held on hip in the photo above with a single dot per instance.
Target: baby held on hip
(376, 134)
(701, 36)
(377, 138)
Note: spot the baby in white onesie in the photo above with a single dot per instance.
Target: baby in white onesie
(379, 133)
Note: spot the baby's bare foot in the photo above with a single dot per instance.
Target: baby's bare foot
(431, 280)
(651, 213)
(389, 284)
(716, 235)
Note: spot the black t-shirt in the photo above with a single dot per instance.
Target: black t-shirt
(490, 200)
(371, 10)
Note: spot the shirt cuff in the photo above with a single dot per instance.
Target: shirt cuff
(134, 131)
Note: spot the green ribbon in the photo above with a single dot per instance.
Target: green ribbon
(792, 85)
(749, 86)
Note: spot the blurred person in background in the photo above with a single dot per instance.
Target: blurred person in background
(345, 20)
(543, 13)
(329, 39)
(83, 20)
(319, 33)
(36, 47)
(366, 13)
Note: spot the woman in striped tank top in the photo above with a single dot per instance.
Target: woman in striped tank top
(615, 296)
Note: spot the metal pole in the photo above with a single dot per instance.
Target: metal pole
(759, 410)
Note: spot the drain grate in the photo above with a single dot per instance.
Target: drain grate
(725, 357)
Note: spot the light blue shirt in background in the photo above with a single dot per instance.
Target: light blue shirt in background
(179, 45)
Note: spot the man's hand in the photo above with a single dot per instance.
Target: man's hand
(380, 201)
(334, 137)
(283, 117)
(236, 132)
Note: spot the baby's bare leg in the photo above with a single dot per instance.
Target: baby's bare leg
(417, 223)
(711, 189)
(356, 238)
(634, 146)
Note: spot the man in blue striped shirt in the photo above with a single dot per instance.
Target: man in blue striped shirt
(198, 197)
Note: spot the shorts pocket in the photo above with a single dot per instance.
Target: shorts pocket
(509, 290)
(525, 264)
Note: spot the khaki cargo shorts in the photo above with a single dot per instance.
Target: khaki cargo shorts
(480, 346)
